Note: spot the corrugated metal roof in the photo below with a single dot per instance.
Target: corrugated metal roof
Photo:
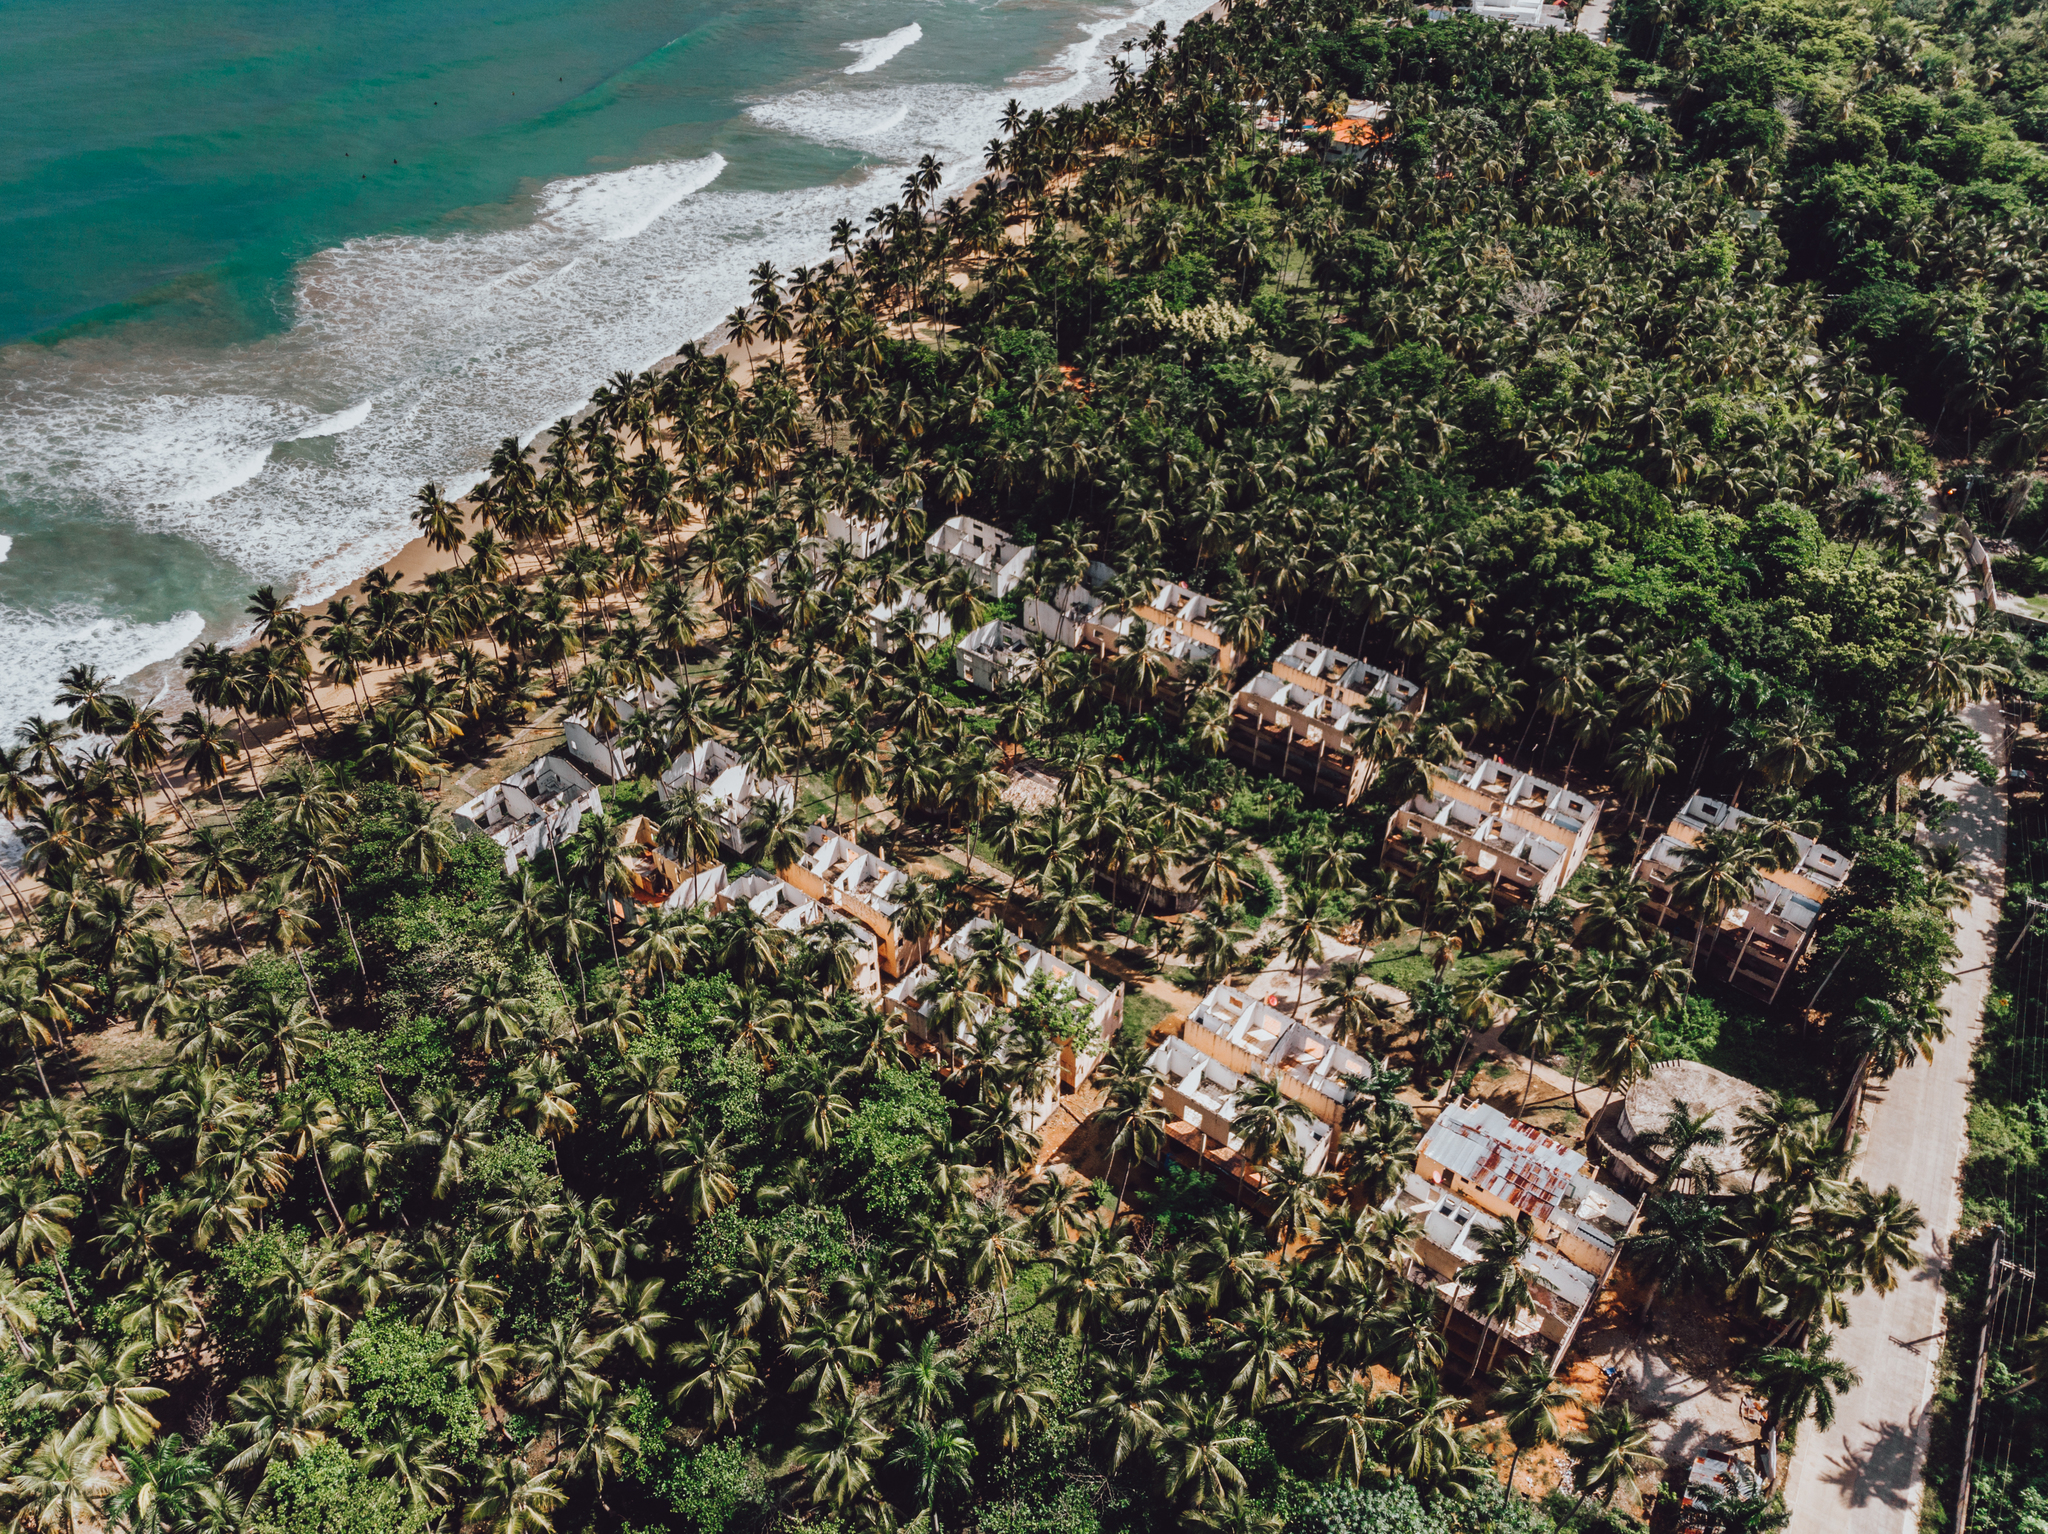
(1512, 1161)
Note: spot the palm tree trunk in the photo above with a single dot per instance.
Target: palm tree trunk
(341, 921)
(249, 743)
(14, 890)
(227, 917)
(322, 1174)
(177, 803)
(307, 975)
(171, 906)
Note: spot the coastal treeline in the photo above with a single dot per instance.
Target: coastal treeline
(1653, 439)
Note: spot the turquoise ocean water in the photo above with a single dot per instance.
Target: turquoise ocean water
(266, 267)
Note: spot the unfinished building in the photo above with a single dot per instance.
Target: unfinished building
(730, 788)
(814, 566)
(1477, 1170)
(865, 536)
(604, 750)
(536, 809)
(1756, 945)
(1228, 1039)
(1178, 621)
(1064, 1071)
(864, 889)
(987, 553)
(659, 879)
(1301, 720)
(1521, 836)
(996, 657)
(791, 910)
(1330, 673)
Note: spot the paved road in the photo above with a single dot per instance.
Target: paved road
(1864, 1475)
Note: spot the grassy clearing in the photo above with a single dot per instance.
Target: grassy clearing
(1147, 1010)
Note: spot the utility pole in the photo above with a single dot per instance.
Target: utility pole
(1997, 1271)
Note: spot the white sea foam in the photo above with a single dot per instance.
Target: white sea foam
(334, 425)
(620, 204)
(876, 51)
(459, 341)
(953, 122)
(40, 646)
(6, 545)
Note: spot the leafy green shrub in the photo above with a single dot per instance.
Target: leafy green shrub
(682, 1018)
(397, 1379)
(325, 1491)
(2023, 575)
(239, 1289)
(1694, 1033)
(884, 1152)
(822, 1233)
(1394, 1509)
(1182, 1196)
(1069, 1511)
(720, 1488)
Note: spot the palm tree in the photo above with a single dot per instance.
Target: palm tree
(721, 1366)
(1302, 931)
(1613, 1451)
(1357, 1011)
(1424, 1445)
(35, 1223)
(1298, 1196)
(1070, 910)
(494, 1012)
(1766, 1132)
(140, 853)
(1496, 1289)
(440, 522)
(937, 1456)
(1716, 874)
(161, 1490)
(1137, 1124)
(699, 1170)
(64, 1480)
(1798, 1383)
(1261, 1123)
(1677, 1249)
(1884, 1038)
(1529, 1400)
(106, 1390)
(1197, 1442)
(1346, 1426)
(1682, 1134)
(1878, 1231)
(1210, 937)
(836, 1451)
(514, 1499)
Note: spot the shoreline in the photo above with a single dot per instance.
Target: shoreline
(419, 559)
(416, 559)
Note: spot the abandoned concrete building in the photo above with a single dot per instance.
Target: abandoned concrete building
(1756, 945)
(1228, 1039)
(865, 890)
(539, 807)
(1071, 1062)
(1521, 836)
(731, 789)
(1477, 1170)
(989, 554)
